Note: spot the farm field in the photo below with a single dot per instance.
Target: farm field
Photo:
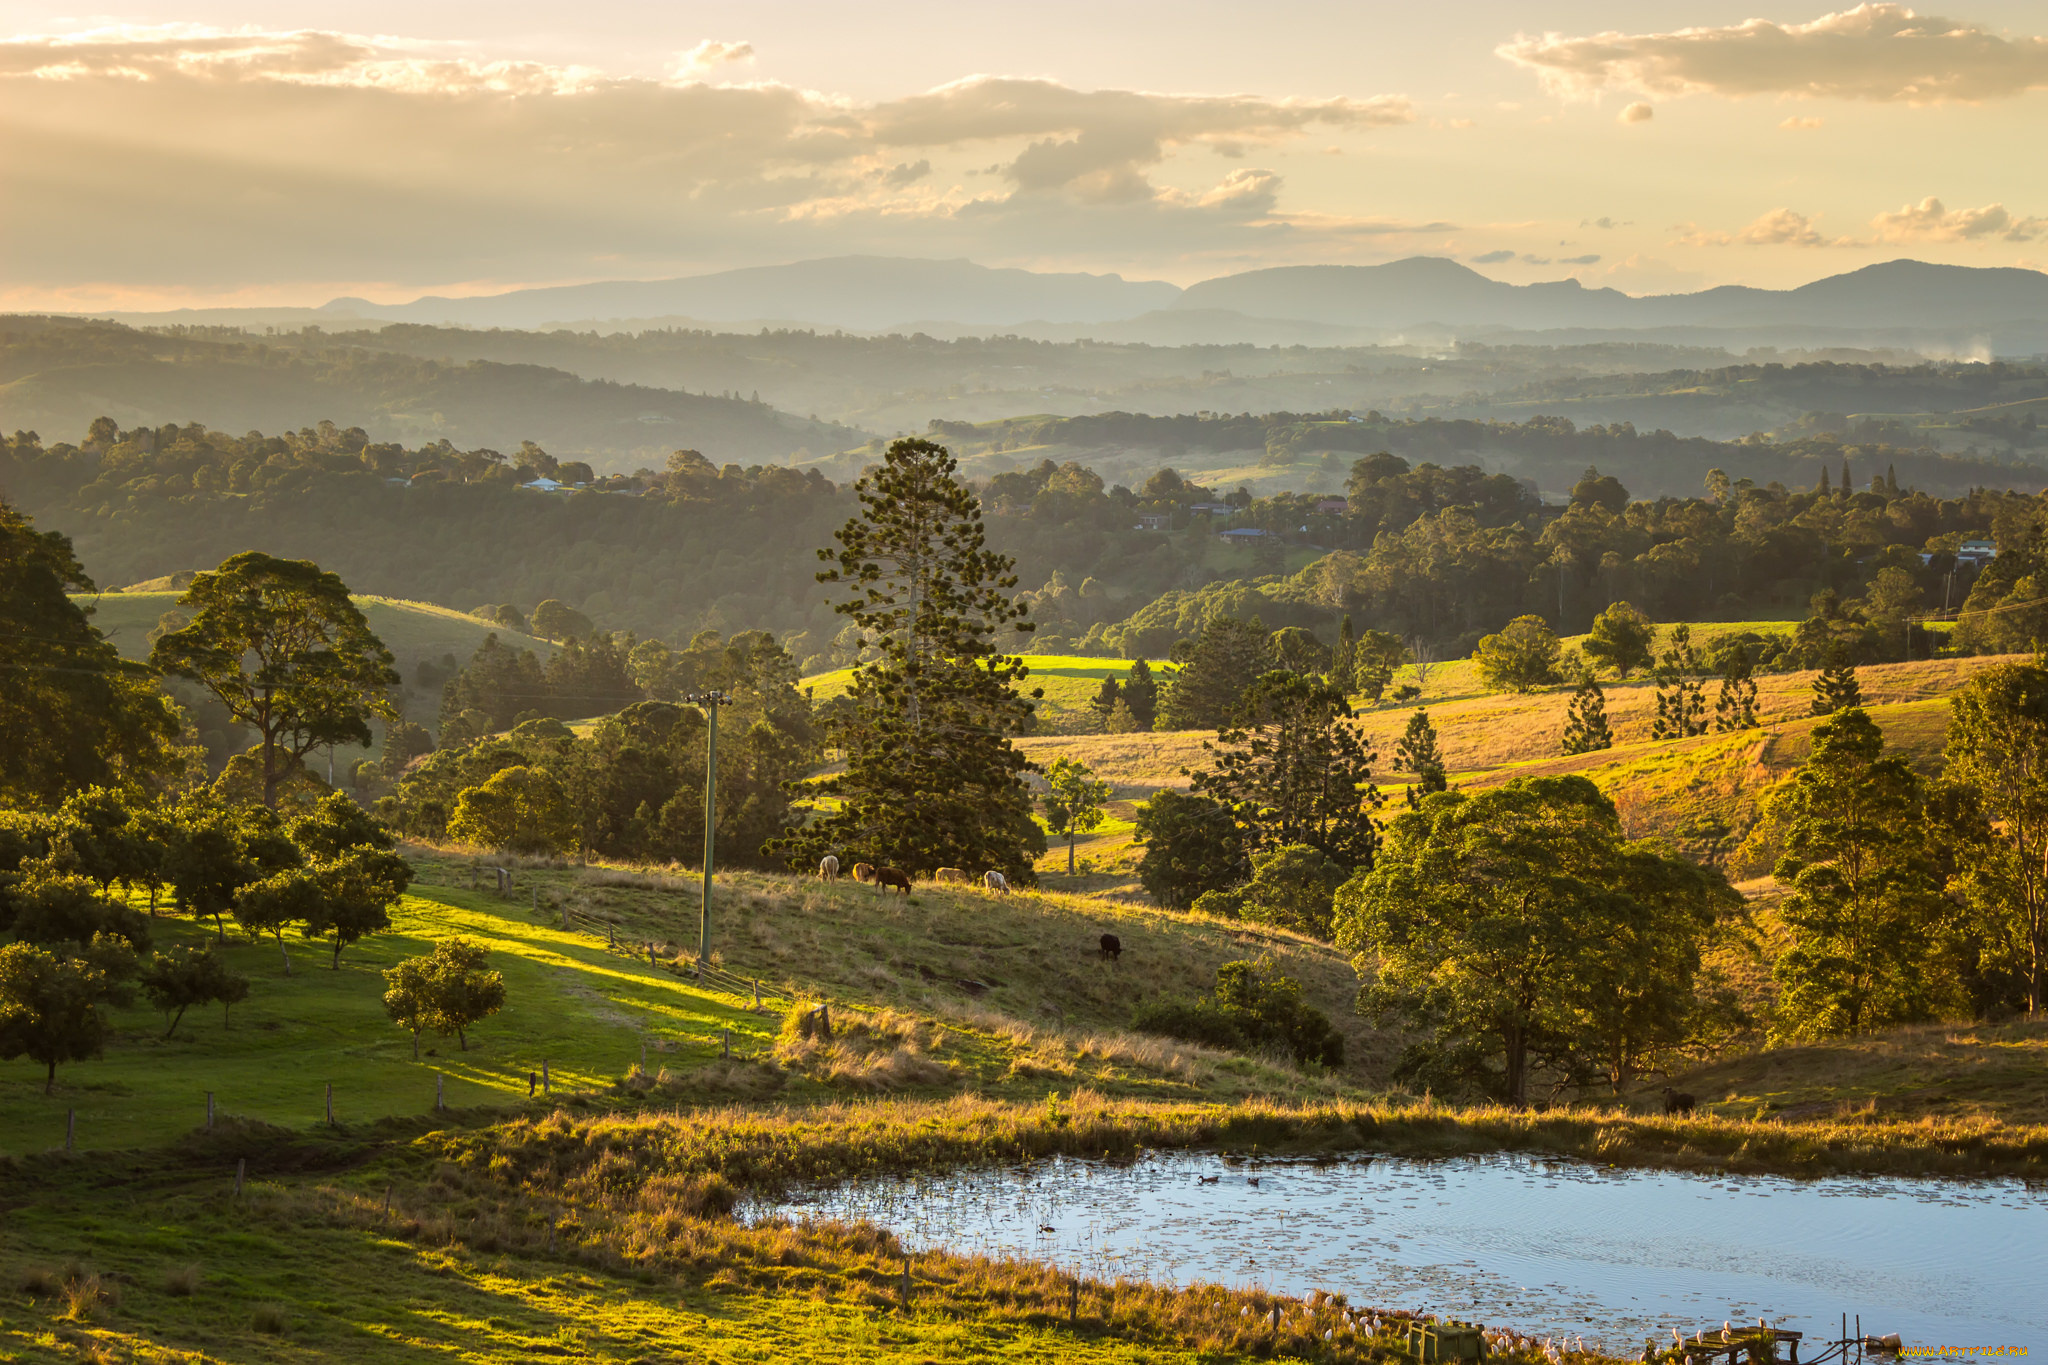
(1022, 997)
(1070, 681)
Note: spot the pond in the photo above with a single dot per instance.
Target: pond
(1544, 1246)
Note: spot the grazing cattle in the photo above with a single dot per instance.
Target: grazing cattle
(886, 877)
(828, 868)
(863, 872)
(996, 881)
(1112, 947)
(1678, 1101)
(952, 876)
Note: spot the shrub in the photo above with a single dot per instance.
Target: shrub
(1191, 1021)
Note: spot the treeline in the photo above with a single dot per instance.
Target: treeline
(239, 382)
(1450, 575)
(1547, 450)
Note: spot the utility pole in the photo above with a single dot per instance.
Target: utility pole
(710, 702)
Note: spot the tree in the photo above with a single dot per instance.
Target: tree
(1522, 657)
(1417, 752)
(96, 836)
(1298, 651)
(1107, 696)
(1141, 694)
(931, 777)
(1291, 770)
(1735, 707)
(73, 712)
(337, 825)
(1291, 888)
(1681, 696)
(1585, 725)
(280, 645)
(1253, 1008)
(357, 891)
(449, 990)
(1835, 688)
(50, 1007)
(46, 906)
(1998, 746)
(1377, 657)
(1072, 802)
(553, 620)
(518, 809)
(181, 977)
(276, 903)
(1515, 928)
(1215, 671)
(1863, 891)
(1621, 639)
(1344, 661)
(1191, 846)
(1120, 721)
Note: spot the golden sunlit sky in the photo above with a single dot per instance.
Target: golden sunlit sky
(274, 152)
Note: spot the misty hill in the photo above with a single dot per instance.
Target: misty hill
(57, 375)
(862, 292)
(1424, 290)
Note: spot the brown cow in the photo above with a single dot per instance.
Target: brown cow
(953, 876)
(886, 877)
(863, 872)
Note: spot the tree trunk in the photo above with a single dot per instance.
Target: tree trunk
(415, 1044)
(1070, 853)
(336, 964)
(174, 1023)
(285, 952)
(270, 772)
(463, 1039)
(50, 1079)
(220, 931)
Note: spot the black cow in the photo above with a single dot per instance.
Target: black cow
(1112, 947)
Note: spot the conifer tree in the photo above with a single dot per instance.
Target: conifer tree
(1836, 688)
(1418, 753)
(931, 777)
(1141, 694)
(1681, 696)
(1106, 697)
(1585, 727)
(1344, 667)
(1735, 708)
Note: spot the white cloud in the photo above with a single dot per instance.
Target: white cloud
(1638, 112)
(1872, 52)
(1779, 227)
(1795, 124)
(316, 155)
(1930, 221)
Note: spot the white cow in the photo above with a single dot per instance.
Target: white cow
(995, 881)
(828, 868)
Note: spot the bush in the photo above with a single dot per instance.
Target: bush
(1191, 1021)
(1252, 1009)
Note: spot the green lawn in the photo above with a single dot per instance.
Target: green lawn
(571, 1002)
(1070, 680)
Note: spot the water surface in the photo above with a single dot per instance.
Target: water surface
(1545, 1246)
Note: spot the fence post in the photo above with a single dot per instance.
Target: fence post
(757, 995)
(1073, 1303)
(70, 1131)
(611, 936)
(330, 1104)
(438, 1078)
(387, 1201)
(209, 1111)
(825, 1020)
(906, 1281)
(545, 1087)
(241, 1169)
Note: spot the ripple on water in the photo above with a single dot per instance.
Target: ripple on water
(1545, 1246)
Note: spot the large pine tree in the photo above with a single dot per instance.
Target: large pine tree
(931, 777)
(1681, 696)
(1417, 752)
(1836, 688)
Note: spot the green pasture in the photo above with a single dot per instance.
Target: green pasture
(582, 1008)
(1070, 680)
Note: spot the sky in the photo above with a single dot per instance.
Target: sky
(280, 152)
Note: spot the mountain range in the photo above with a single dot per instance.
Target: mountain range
(2003, 309)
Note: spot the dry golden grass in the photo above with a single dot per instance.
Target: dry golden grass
(1971, 1073)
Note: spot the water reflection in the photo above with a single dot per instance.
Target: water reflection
(1544, 1246)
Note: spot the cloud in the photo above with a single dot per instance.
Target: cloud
(1493, 257)
(1872, 52)
(400, 163)
(1779, 227)
(1637, 113)
(1581, 260)
(1795, 124)
(708, 56)
(1929, 221)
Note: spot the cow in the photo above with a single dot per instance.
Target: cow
(886, 877)
(995, 881)
(952, 876)
(863, 872)
(828, 868)
(1112, 947)
(1678, 1101)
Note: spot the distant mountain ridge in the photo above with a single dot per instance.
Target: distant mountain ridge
(1912, 302)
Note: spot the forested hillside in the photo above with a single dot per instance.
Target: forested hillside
(57, 375)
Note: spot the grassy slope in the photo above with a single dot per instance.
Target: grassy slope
(1070, 681)
(1944, 1071)
(1040, 1007)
